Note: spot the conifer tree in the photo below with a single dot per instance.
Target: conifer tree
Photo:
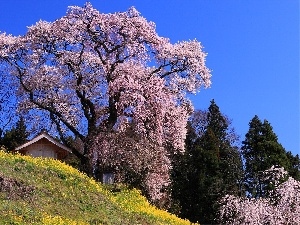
(261, 150)
(210, 168)
(225, 170)
(225, 141)
(294, 170)
(185, 177)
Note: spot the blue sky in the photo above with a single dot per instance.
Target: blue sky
(252, 45)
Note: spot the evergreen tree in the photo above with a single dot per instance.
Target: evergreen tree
(217, 123)
(16, 136)
(185, 178)
(294, 170)
(225, 140)
(261, 150)
(225, 170)
(210, 168)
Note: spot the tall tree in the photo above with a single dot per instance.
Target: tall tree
(225, 173)
(210, 168)
(195, 180)
(261, 150)
(103, 76)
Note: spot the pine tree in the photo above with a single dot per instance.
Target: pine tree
(210, 168)
(217, 122)
(230, 164)
(261, 150)
(225, 170)
(185, 176)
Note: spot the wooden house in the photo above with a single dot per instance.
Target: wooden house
(44, 145)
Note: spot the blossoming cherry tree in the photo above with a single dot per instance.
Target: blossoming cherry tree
(111, 82)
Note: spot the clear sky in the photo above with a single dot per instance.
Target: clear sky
(252, 45)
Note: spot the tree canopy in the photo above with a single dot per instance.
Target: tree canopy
(211, 166)
(100, 76)
(261, 150)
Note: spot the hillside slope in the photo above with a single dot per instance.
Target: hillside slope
(46, 191)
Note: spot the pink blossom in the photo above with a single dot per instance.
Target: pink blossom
(100, 76)
(281, 207)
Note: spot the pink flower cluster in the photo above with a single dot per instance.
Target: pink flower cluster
(282, 206)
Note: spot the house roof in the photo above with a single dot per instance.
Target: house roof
(41, 136)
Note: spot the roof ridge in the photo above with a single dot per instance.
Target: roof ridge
(38, 137)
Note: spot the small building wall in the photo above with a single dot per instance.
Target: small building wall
(43, 148)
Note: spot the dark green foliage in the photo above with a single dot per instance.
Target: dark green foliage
(191, 174)
(294, 170)
(210, 168)
(261, 150)
(16, 136)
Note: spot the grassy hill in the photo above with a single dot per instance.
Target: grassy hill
(46, 191)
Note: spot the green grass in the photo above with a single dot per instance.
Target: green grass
(46, 191)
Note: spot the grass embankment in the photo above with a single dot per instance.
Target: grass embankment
(46, 191)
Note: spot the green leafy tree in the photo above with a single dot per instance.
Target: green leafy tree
(16, 136)
(261, 150)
